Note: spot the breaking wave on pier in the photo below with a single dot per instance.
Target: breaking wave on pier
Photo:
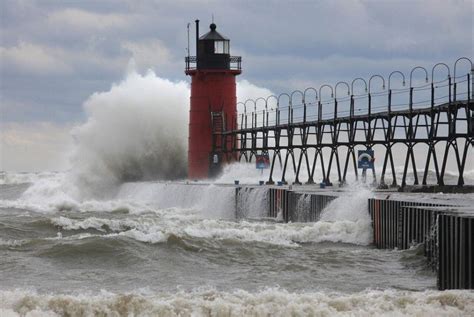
(177, 248)
(153, 209)
(134, 131)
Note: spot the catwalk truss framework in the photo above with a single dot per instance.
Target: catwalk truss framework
(294, 129)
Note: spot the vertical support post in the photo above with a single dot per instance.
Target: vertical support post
(388, 137)
(470, 86)
(304, 111)
(320, 106)
(289, 119)
(389, 103)
(351, 111)
(470, 253)
(470, 95)
(470, 128)
(270, 178)
(410, 122)
(454, 90)
(432, 97)
(369, 112)
(449, 87)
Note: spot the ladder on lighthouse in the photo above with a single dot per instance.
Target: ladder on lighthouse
(218, 126)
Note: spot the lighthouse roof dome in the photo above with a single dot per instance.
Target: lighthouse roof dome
(213, 34)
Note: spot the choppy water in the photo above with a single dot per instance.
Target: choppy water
(175, 249)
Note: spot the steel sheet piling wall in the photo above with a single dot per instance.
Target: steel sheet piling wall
(297, 207)
(278, 204)
(456, 251)
(448, 238)
(290, 206)
(399, 224)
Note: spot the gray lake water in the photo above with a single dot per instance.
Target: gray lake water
(175, 249)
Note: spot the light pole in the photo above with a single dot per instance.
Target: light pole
(390, 88)
(415, 68)
(395, 72)
(411, 86)
(254, 107)
(468, 78)
(320, 103)
(289, 104)
(304, 98)
(352, 93)
(370, 96)
(266, 106)
(335, 95)
(291, 101)
(379, 76)
(449, 78)
(263, 111)
(243, 114)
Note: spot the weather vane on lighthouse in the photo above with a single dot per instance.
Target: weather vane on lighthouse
(213, 102)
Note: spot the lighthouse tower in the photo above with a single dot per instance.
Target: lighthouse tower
(213, 102)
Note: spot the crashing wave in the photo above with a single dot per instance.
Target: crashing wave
(267, 302)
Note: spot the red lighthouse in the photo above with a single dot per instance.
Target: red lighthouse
(213, 101)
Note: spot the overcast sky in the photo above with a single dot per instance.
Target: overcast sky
(55, 54)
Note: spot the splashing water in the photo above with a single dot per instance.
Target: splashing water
(136, 130)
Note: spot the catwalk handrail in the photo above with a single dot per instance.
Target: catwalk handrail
(434, 111)
(413, 98)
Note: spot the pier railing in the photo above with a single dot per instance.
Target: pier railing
(432, 109)
(312, 105)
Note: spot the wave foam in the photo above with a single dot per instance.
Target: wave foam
(51, 195)
(136, 130)
(151, 212)
(157, 229)
(267, 302)
(11, 178)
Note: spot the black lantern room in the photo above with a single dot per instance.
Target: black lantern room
(213, 50)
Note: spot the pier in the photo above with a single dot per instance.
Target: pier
(443, 224)
(325, 140)
(319, 135)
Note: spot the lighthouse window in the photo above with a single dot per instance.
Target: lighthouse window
(221, 47)
(218, 47)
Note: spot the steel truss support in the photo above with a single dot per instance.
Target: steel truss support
(447, 129)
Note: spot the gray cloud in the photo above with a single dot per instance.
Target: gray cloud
(54, 54)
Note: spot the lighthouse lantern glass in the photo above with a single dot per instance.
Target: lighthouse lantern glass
(221, 47)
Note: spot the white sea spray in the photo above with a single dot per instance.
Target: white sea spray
(267, 302)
